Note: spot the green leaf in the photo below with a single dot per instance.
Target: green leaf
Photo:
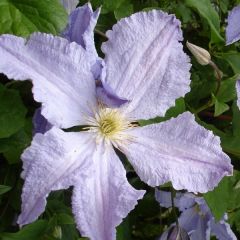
(23, 17)
(95, 3)
(177, 109)
(148, 206)
(150, 9)
(125, 10)
(206, 10)
(63, 218)
(112, 5)
(4, 189)
(233, 58)
(231, 145)
(223, 192)
(227, 91)
(202, 85)
(227, 192)
(184, 12)
(13, 146)
(32, 231)
(69, 231)
(236, 120)
(224, 5)
(124, 230)
(12, 112)
(219, 107)
(234, 218)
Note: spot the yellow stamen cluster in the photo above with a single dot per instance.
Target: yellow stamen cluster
(110, 123)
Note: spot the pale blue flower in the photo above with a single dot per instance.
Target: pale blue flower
(144, 71)
(196, 217)
(233, 26)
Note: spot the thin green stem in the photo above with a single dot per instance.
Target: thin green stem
(100, 33)
(173, 193)
(218, 76)
(204, 107)
(9, 84)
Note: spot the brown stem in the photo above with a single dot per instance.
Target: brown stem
(218, 76)
(221, 117)
(173, 193)
(100, 33)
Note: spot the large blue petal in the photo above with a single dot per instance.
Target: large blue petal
(233, 27)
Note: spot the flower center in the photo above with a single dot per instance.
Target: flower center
(109, 126)
(110, 123)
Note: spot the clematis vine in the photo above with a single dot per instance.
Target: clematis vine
(196, 217)
(144, 71)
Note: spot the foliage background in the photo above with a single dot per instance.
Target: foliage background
(203, 23)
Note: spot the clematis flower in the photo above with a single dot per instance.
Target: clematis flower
(233, 27)
(196, 217)
(144, 70)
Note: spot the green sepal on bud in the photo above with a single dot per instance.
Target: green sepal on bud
(202, 55)
(57, 232)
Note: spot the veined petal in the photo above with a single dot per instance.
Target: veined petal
(233, 27)
(51, 163)
(180, 151)
(164, 198)
(107, 99)
(200, 229)
(189, 220)
(181, 201)
(60, 71)
(185, 201)
(222, 230)
(194, 224)
(164, 236)
(101, 201)
(69, 5)
(80, 29)
(145, 63)
(238, 92)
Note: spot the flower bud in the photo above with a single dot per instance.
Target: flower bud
(57, 232)
(202, 56)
